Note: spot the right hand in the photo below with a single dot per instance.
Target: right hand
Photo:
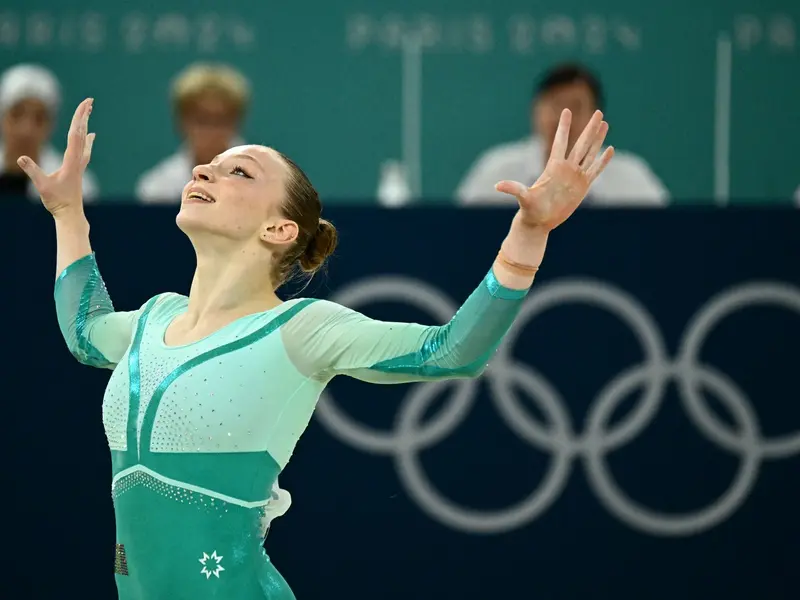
(62, 191)
(566, 178)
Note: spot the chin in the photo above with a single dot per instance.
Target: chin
(195, 218)
(198, 221)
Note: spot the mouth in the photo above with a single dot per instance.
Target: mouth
(199, 196)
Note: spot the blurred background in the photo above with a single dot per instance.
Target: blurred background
(704, 94)
(639, 436)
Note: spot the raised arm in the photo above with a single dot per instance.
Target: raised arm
(94, 333)
(331, 339)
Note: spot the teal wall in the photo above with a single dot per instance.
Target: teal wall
(326, 79)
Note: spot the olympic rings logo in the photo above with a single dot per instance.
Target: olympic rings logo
(560, 439)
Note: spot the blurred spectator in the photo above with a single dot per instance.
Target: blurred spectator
(209, 102)
(30, 96)
(627, 181)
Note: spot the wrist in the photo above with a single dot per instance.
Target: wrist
(528, 228)
(525, 243)
(71, 217)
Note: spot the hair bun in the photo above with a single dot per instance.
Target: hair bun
(320, 247)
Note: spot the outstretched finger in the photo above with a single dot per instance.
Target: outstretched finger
(584, 141)
(33, 171)
(561, 140)
(601, 164)
(76, 138)
(87, 150)
(597, 144)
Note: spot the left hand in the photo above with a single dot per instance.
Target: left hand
(566, 179)
(61, 191)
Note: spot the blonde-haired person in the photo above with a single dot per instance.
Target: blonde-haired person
(209, 102)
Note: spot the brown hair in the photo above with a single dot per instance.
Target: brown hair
(316, 238)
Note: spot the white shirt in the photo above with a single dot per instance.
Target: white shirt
(626, 181)
(164, 183)
(50, 161)
(797, 196)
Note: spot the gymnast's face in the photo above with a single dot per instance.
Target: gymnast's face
(238, 196)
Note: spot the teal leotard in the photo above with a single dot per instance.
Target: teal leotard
(199, 433)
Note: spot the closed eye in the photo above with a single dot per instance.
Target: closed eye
(241, 172)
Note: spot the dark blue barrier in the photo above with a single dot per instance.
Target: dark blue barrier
(636, 439)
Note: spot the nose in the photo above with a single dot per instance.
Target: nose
(27, 128)
(202, 173)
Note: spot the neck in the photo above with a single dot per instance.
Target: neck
(230, 282)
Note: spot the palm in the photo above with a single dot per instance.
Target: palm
(63, 188)
(566, 178)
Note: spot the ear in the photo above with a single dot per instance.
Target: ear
(279, 232)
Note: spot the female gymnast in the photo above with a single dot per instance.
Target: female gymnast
(209, 394)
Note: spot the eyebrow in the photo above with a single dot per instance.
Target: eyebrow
(250, 158)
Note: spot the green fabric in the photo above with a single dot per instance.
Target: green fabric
(199, 433)
(333, 340)
(95, 334)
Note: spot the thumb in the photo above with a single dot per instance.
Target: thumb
(513, 188)
(32, 170)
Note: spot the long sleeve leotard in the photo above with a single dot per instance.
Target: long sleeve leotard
(200, 432)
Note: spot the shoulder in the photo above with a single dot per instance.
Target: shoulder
(501, 155)
(633, 170)
(320, 310)
(315, 318)
(172, 164)
(50, 159)
(625, 161)
(165, 304)
(511, 160)
(165, 177)
(629, 180)
(91, 189)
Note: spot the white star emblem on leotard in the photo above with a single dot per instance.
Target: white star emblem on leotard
(215, 569)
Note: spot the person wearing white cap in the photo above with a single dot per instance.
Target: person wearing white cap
(29, 100)
(209, 103)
